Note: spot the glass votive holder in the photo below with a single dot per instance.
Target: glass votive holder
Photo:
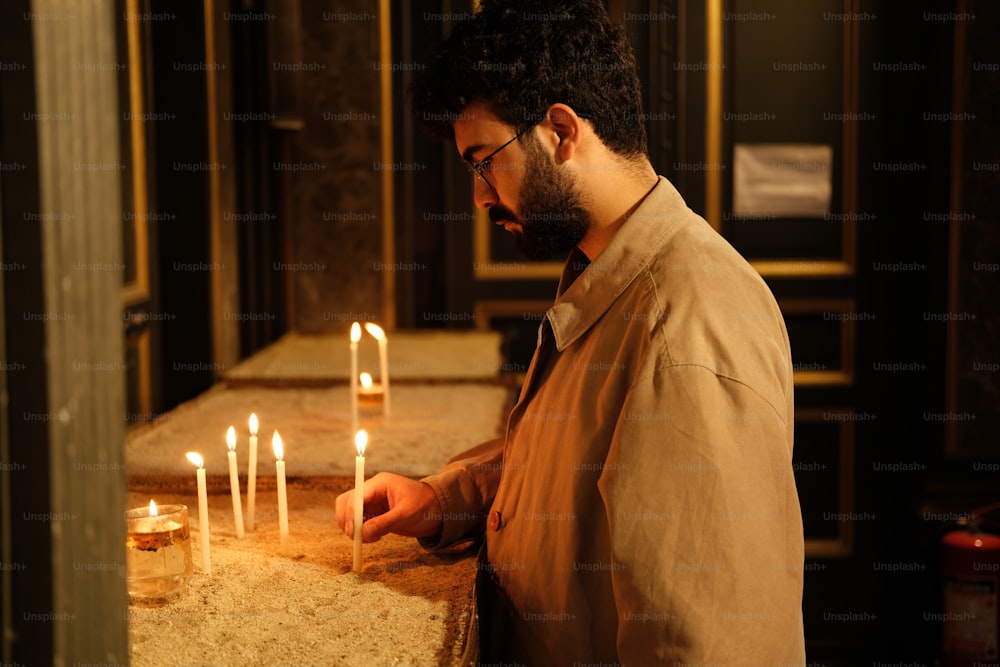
(370, 394)
(157, 553)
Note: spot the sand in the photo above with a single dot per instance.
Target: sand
(259, 607)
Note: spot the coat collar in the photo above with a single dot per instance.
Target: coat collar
(587, 290)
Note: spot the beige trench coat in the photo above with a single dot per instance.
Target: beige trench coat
(642, 508)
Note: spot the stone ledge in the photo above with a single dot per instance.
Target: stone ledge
(414, 356)
(406, 607)
(429, 425)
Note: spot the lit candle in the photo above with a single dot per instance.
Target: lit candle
(206, 560)
(360, 442)
(355, 337)
(146, 520)
(383, 361)
(279, 464)
(157, 553)
(369, 392)
(252, 473)
(234, 481)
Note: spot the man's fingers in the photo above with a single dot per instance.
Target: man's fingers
(377, 526)
(340, 508)
(392, 504)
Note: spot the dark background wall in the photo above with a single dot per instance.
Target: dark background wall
(878, 478)
(916, 175)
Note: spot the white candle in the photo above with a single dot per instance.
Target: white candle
(206, 559)
(383, 361)
(252, 472)
(279, 464)
(234, 481)
(360, 442)
(355, 337)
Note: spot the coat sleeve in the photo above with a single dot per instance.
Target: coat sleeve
(705, 525)
(465, 487)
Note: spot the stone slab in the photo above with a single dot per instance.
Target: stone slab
(414, 356)
(429, 424)
(306, 607)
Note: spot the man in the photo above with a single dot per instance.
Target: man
(641, 508)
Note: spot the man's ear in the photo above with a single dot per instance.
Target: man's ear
(567, 127)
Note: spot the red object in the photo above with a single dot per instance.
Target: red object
(971, 568)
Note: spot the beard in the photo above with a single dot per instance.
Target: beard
(553, 219)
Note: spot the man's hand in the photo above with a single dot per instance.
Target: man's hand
(395, 504)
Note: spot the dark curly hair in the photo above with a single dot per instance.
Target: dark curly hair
(521, 56)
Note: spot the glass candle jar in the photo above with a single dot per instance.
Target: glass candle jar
(157, 553)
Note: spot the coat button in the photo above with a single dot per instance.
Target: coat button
(494, 521)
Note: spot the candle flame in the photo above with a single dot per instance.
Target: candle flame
(277, 446)
(375, 330)
(231, 438)
(152, 508)
(253, 423)
(361, 441)
(366, 380)
(355, 332)
(195, 458)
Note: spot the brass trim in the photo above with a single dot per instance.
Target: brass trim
(214, 188)
(388, 190)
(822, 378)
(519, 269)
(485, 309)
(137, 291)
(142, 343)
(481, 249)
(799, 267)
(848, 335)
(480, 238)
(843, 545)
(713, 112)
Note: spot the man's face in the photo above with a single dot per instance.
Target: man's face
(549, 217)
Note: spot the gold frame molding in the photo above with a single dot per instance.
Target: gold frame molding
(141, 343)
(848, 335)
(138, 291)
(388, 190)
(483, 310)
(488, 308)
(843, 544)
(219, 324)
(481, 247)
(486, 268)
(715, 61)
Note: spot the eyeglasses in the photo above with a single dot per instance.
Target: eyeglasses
(479, 169)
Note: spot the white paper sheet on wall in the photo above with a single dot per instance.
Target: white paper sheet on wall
(782, 180)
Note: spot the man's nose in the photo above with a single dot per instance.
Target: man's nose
(483, 195)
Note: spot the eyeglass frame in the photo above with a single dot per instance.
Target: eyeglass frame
(476, 168)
